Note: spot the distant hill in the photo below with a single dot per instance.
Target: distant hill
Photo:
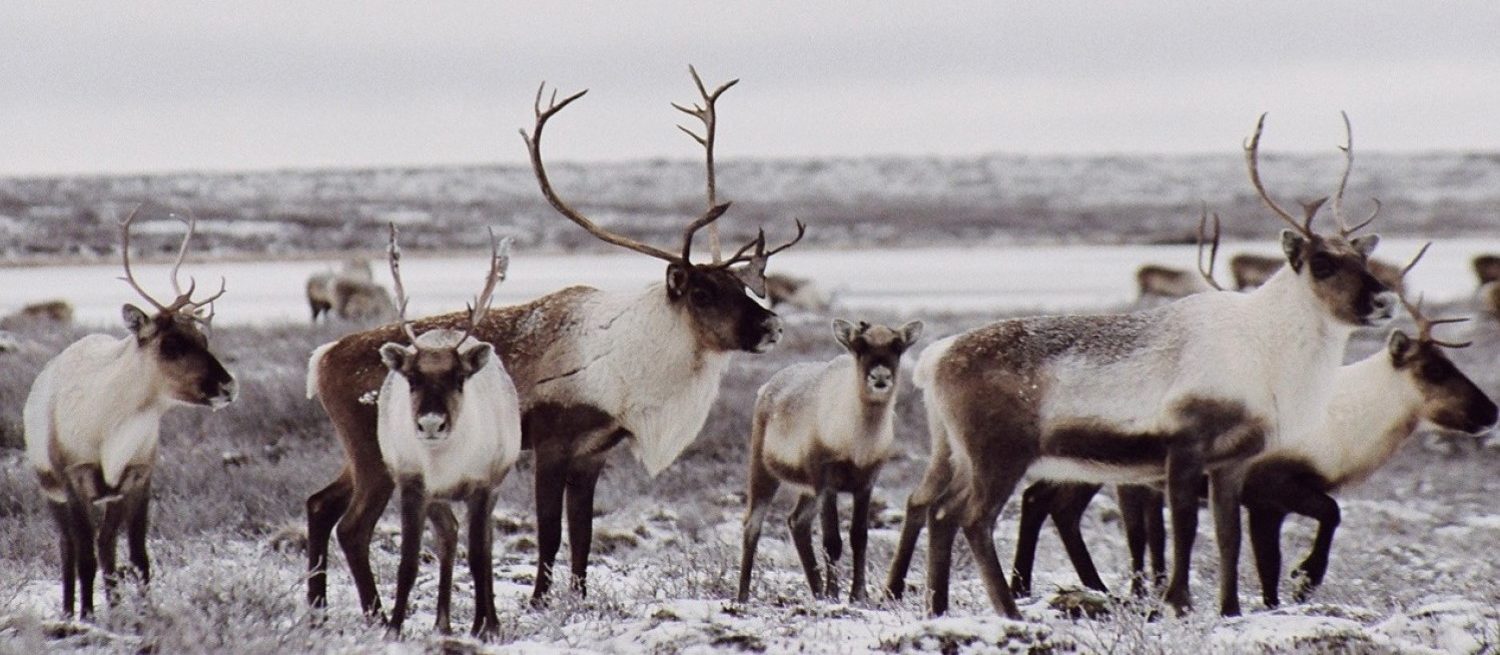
(847, 202)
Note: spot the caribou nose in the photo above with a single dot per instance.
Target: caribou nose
(1383, 306)
(880, 378)
(431, 425)
(771, 329)
(228, 392)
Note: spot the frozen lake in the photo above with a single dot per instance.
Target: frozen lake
(1041, 278)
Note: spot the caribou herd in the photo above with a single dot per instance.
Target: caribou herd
(1240, 395)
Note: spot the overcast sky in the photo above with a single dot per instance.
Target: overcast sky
(132, 87)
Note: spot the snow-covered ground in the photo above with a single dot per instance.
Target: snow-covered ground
(1052, 278)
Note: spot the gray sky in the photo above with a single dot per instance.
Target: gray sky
(130, 87)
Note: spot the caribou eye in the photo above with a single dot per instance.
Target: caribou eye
(1321, 266)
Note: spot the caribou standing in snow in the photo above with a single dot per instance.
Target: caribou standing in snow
(592, 369)
(823, 428)
(1197, 386)
(93, 419)
(1378, 403)
(449, 429)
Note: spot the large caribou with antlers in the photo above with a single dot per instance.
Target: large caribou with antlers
(93, 419)
(1197, 386)
(592, 369)
(1378, 404)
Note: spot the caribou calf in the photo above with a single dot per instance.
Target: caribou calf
(449, 429)
(824, 428)
(92, 422)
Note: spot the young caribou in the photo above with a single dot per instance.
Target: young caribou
(1378, 404)
(93, 417)
(825, 428)
(1199, 385)
(449, 429)
(592, 369)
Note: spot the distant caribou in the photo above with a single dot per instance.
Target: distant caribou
(592, 370)
(93, 417)
(50, 311)
(796, 292)
(823, 428)
(350, 293)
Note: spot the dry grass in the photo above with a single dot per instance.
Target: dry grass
(225, 537)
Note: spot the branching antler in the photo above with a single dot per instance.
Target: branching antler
(534, 146)
(499, 266)
(706, 113)
(394, 253)
(184, 299)
(1338, 197)
(1213, 251)
(1252, 154)
(1425, 324)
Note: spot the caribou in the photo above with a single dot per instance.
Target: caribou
(1378, 404)
(350, 293)
(92, 423)
(449, 429)
(592, 370)
(1191, 388)
(824, 428)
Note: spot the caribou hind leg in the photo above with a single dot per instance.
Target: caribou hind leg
(324, 509)
(445, 534)
(63, 518)
(800, 523)
(762, 491)
(481, 547)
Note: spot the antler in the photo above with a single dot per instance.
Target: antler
(183, 299)
(534, 146)
(1213, 252)
(1425, 324)
(1338, 197)
(709, 115)
(705, 112)
(395, 256)
(499, 266)
(1252, 153)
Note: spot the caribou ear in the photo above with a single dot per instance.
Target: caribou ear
(677, 280)
(1293, 244)
(911, 332)
(476, 357)
(753, 275)
(844, 332)
(1400, 347)
(137, 322)
(395, 356)
(1366, 244)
